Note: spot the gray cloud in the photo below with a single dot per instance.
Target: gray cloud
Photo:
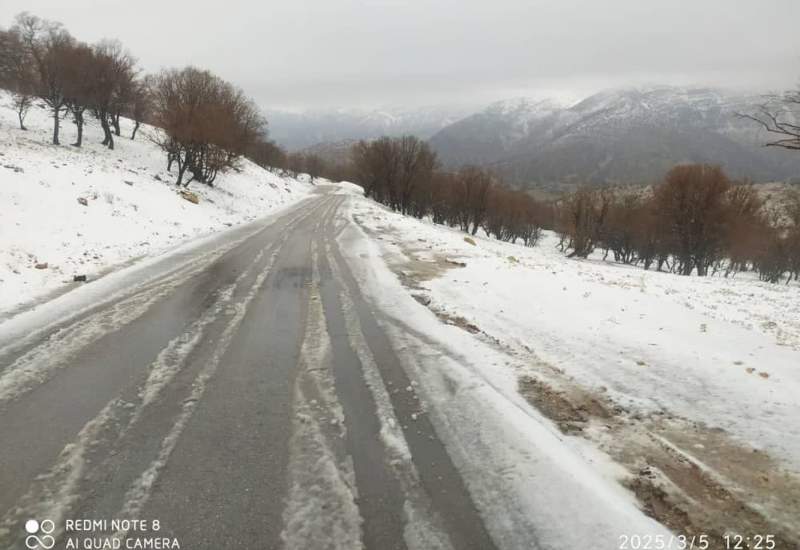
(317, 53)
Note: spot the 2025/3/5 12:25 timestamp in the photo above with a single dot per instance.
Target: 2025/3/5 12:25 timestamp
(752, 542)
(698, 542)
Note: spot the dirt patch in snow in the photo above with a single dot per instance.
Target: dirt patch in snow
(414, 271)
(417, 264)
(456, 320)
(693, 479)
(570, 412)
(746, 493)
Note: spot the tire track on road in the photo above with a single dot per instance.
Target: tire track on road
(53, 493)
(440, 479)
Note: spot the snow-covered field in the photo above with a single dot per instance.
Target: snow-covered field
(690, 384)
(132, 208)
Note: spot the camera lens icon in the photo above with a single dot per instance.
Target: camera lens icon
(32, 526)
(33, 541)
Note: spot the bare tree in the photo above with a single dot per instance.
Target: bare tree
(584, 215)
(122, 99)
(16, 73)
(377, 167)
(472, 200)
(141, 104)
(513, 215)
(442, 197)
(314, 166)
(78, 86)
(49, 46)
(112, 69)
(746, 227)
(267, 154)
(692, 203)
(206, 123)
(780, 116)
(416, 162)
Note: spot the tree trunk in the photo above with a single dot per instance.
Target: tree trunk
(115, 121)
(104, 126)
(56, 122)
(79, 141)
(108, 140)
(79, 123)
(21, 117)
(135, 129)
(181, 169)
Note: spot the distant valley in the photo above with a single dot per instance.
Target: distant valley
(299, 131)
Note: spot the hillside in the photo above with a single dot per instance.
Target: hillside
(683, 389)
(332, 152)
(132, 209)
(628, 135)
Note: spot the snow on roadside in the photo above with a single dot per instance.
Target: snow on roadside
(531, 488)
(556, 381)
(722, 352)
(132, 209)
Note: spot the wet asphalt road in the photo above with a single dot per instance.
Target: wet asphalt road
(235, 398)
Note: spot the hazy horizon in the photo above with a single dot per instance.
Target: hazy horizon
(318, 55)
(567, 98)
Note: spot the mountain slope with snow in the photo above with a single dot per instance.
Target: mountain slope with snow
(81, 211)
(487, 136)
(629, 135)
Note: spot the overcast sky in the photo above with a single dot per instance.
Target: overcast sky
(346, 53)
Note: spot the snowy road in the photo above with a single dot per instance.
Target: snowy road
(225, 398)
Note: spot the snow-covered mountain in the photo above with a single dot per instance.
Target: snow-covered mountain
(620, 135)
(487, 136)
(297, 131)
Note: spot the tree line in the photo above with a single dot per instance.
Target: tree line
(696, 221)
(271, 156)
(40, 59)
(403, 173)
(204, 123)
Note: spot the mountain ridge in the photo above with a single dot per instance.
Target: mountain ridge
(622, 135)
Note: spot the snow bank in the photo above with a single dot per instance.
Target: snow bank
(724, 353)
(531, 488)
(132, 209)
